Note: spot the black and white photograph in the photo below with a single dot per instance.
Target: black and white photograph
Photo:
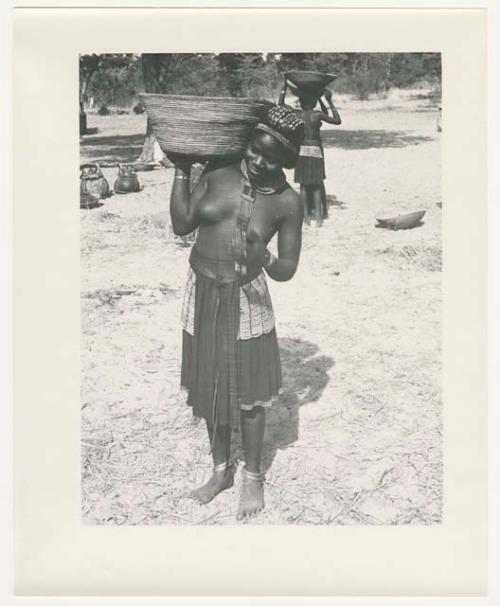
(261, 279)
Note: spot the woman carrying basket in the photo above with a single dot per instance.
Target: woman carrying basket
(230, 356)
(310, 168)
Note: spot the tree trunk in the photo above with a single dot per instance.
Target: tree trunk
(83, 120)
(87, 70)
(155, 68)
(365, 62)
(88, 66)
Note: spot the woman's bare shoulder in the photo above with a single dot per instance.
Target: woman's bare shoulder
(291, 200)
(218, 171)
(221, 165)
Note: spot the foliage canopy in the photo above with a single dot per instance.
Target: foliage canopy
(116, 79)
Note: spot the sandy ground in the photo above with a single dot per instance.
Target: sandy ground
(357, 436)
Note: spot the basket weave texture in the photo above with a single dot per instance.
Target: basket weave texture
(202, 126)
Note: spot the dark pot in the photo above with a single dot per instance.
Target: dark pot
(127, 181)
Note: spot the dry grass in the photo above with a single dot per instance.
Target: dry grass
(425, 258)
(357, 436)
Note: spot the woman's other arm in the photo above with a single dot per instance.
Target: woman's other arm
(257, 257)
(285, 265)
(325, 117)
(281, 100)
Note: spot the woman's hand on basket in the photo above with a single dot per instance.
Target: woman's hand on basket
(181, 160)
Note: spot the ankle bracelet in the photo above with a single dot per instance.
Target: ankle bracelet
(222, 466)
(251, 475)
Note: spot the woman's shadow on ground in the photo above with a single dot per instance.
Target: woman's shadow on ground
(305, 376)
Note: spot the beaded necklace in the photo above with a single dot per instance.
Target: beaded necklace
(247, 200)
(266, 191)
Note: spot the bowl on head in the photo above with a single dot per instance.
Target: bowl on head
(309, 82)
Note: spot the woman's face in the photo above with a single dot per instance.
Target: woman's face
(264, 157)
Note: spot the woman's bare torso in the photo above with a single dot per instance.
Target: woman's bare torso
(217, 212)
(312, 121)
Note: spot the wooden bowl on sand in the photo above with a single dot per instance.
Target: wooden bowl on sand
(402, 221)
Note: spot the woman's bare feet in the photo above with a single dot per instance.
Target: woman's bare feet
(219, 481)
(252, 495)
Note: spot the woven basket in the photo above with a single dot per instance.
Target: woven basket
(311, 82)
(204, 127)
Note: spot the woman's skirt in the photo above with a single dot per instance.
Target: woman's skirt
(224, 368)
(310, 167)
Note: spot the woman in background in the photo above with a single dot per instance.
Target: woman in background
(310, 168)
(230, 356)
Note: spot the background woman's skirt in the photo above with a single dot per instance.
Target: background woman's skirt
(310, 167)
(309, 171)
(221, 373)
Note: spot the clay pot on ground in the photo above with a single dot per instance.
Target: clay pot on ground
(126, 181)
(93, 182)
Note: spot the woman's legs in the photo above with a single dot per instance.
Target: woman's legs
(220, 479)
(220, 443)
(252, 433)
(304, 196)
(317, 202)
(324, 202)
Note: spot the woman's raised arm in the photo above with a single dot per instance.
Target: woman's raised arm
(325, 117)
(183, 203)
(281, 100)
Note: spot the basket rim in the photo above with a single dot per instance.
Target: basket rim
(198, 98)
(306, 71)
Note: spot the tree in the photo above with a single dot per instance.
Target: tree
(112, 78)
(409, 68)
(88, 66)
(235, 68)
(117, 80)
(229, 64)
(258, 76)
(155, 70)
(293, 61)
